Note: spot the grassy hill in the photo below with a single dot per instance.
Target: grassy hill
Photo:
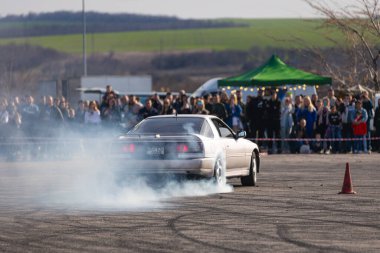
(66, 22)
(261, 33)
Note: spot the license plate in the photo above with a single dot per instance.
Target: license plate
(156, 150)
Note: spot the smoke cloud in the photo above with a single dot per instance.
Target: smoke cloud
(98, 188)
(88, 180)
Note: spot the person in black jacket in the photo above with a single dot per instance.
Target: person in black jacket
(147, 111)
(274, 121)
(167, 108)
(334, 120)
(256, 116)
(218, 108)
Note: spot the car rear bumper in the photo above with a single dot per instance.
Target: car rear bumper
(200, 167)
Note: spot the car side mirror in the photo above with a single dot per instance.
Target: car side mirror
(241, 134)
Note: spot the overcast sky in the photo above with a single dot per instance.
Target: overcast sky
(179, 8)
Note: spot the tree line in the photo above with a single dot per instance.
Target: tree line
(64, 22)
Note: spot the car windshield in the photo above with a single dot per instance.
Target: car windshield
(167, 126)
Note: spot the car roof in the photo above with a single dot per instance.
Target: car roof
(184, 116)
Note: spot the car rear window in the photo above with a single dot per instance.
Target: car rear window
(169, 126)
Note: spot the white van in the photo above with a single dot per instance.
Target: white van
(211, 87)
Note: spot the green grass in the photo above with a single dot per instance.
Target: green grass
(262, 33)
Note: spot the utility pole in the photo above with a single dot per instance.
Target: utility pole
(84, 40)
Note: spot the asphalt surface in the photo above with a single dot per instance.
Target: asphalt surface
(295, 208)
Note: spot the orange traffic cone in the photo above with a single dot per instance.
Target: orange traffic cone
(347, 183)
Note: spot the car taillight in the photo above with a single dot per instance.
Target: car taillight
(189, 150)
(129, 148)
(182, 148)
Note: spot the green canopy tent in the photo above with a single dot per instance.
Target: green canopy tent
(274, 73)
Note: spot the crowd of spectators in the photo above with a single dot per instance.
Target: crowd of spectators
(312, 124)
(296, 125)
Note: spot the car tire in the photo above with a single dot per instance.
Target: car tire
(251, 179)
(219, 177)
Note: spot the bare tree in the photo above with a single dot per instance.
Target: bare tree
(359, 22)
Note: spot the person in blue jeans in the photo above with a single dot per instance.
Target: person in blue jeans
(359, 124)
(347, 134)
(335, 128)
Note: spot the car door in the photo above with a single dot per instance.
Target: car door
(234, 149)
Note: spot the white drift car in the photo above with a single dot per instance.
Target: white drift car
(192, 145)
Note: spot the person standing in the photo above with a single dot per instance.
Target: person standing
(347, 133)
(64, 107)
(218, 108)
(185, 109)
(92, 119)
(156, 102)
(148, 110)
(243, 117)
(109, 93)
(234, 112)
(51, 123)
(286, 122)
(224, 98)
(134, 107)
(30, 113)
(13, 130)
(257, 116)
(335, 130)
(331, 96)
(274, 122)
(200, 108)
(368, 106)
(308, 113)
(167, 108)
(111, 115)
(322, 123)
(208, 102)
(359, 125)
(178, 103)
(16, 103)
(51, 118)
(314, 99)
(80, 112)
(297, 107)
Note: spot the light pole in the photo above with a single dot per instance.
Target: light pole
(84, 40)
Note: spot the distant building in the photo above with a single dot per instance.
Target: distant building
(121, 84)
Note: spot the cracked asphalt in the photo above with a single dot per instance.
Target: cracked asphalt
(295, 208)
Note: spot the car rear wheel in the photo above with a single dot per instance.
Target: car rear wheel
(219, 172)
(251, 179)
